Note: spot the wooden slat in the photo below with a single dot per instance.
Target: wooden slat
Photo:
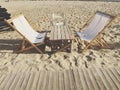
(72, 80)
(62, 33)
(87, 79)
(45, 81)
(2, 78)
(66, 80)
(77, 79)
(66, 33)
(35, 81)
(59, 33)
(112, 85)
(98, 79)
(5, 81)
(115, 73)
(93, 80)
(55, 81)
(55, 33)
(107, 85)
(20, 81)
(118, 70)
(41, 78)
(82, 78)
(30, 81)
(52, 34)
(61, 80)
(10, 81)
(114, 79)
(70, 32)
(50, 81)
(14, 83)
(25, 81)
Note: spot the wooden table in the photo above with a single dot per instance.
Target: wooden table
(61, 38)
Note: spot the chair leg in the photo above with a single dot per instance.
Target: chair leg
(106, 44)
(86, 47)
(30, 47)
(63, 48)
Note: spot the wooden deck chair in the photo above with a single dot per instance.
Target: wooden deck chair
(92, 32)
(35, 39)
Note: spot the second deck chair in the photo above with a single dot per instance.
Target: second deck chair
(93, 31)
(35, 39)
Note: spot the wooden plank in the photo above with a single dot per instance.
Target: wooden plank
(52, 34)
(72, 80)
(50, 82)
(55, 81)
(5, 81)
(115, 74)
(55, 33)
(59, 33)
(41, 78)
(93, 80)
(35, 81)
(77, 79)
(10, 81)
(25, 81)
(71, 36)
(20, 81)
(66, 33)
(114, 79)
(30, 81)
(82, 78)
(61, 79)
(105, 82)
(118, 70)
(112, 86)
(63, 33)
(87, 79)
(98, 79)
(14, 83)
(66, 80)
(2, 78)
(45, 81)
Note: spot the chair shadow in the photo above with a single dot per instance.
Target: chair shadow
(115, 45)
(13, 45)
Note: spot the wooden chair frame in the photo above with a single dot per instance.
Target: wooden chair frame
(25, 40)
(99, 38)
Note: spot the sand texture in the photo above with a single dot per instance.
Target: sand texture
(77, 13)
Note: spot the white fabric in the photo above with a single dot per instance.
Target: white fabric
(96, 26)
(25, 29)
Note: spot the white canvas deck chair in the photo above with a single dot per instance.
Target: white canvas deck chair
(92, 31)
(35, 39)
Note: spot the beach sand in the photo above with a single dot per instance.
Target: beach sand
(39, 15)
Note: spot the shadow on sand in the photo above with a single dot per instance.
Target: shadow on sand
(14, 44)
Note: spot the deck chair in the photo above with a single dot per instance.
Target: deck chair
(92, 31)
(30, 36)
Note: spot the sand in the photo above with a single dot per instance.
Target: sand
(77, 13)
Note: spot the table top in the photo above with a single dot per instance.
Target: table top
(61, 32)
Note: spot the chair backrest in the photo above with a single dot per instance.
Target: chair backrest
(97, 25)
(23, 27)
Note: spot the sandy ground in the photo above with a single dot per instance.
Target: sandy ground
(39, 15)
